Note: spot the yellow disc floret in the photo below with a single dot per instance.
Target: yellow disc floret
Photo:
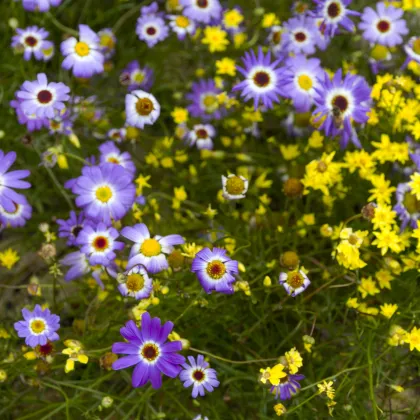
(150, 248)
(82, 49)
(104, 194)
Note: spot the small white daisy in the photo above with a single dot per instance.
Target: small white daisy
(181, 25)
(136, 283)
(202, 135)
(141, 109)
(294, 282)
(234, 187)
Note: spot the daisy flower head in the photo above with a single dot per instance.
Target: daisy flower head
(234, 187)
(151, 29)
(137, 77)
(149, 351)
(407, 207)
(40, 5)
(384, 25)
(136, 283)
(141, 109)
(201, 135)
(215, 270)
(18, 217)
(117, 134)
(199, 375)
(294, 282)
(203, 11)
(41, 98)
(182, 26)
(83, 56)
(31, 121)
(263, 79)
(9, 198)
(276, 41)
(335, 13)
(105, 192)
(287, 387)
(301, 80)
(301, 35)
(107, 41)
(147, 251)
(71, 227)
(78, 265)
(32, 39)
(412, 49)
(99, 243)
(342, 101)
(111, 154)
(38, 326)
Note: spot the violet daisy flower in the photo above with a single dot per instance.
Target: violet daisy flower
(71, 227)
(83, 56)
(40, 5)
(340, 101)
(141, 109)
(107, 41)
(181, 25)
(137, 77)
(215, 270)
(148, 350)
(383, 26)
(99, 243)
(38, 326)
(9, 198)
(204, 102)
(201, 135)
(32, 40)
(111, 154)
(301, 35)
(151, 29)
(117, 134)
(199, 375)
(276, 41)
(334, 14)
(105, 192)
(412, 49)
(42, 98)
(17, 217)
(301, 80)
(78, 263)
(147, 251)
(287, 387)
(262, 79)
(294, 282)
(32, 122)
(136, 283)
(203, 11)
(407, 207)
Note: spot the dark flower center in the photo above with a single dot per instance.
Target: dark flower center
(100, 243)
(333, 10)
(295, 280)
(201, 133)
(198, 375)
(202, 3)
(341, 103)
(216, 269)
(76, 230)
(262, 79)
(150, 352)
(31, 41)
(276, 37)
(44, 96)
(46, 349)
(144, 106)
(300, 36)
(151, 31)
(383, 26)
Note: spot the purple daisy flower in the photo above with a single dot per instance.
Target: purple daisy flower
(111, 154)
(287, 387)
(152, 9)
(262, 79)
(83, 56)
(9, 198)
(201, 135)
(276, 41)
(40, 5)
(17, 217)
(151, 29)
(32, 40)
(199, 375)
(383, 26)
(107, 41)
(340, 101)
(215, 270)
(334, 14)
(78, 263)
(32, 122)
(137, 77)
(301, 80)
(204, 102)
(136, 283)
(294, 282)
(71, 227)
(38, 326)
(412, 49)
(99, 243)
(147, 251)
(148, 350)
(42, 98)
(301, 35)
(407, 207)
(203, 11)
(105, 192)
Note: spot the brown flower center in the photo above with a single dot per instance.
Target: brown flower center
(144, 106)
(151, 30)
(295, 280)
(31, 41)
(198, 375)
(341, 103)
(100, 243)
(202, 3)
(383, 26)
(300, 36)
(333, 10)
(150, 352)
(216, 269)
(201, 133)
(44, 96)
(261, 79)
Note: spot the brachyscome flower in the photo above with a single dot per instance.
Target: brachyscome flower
(151, 29)
(33, 40)
(234, 187)
(202, 10)
(295, 282)
(136, 283)
(141, 109)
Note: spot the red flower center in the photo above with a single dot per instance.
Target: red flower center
(341, 103)
(151, 31)
(262, 79)
(383, 26)
(201, 133)
(300, 36)
(333, 10)
(198, 375)
(100, 243)
(31, 41)
(202, 3)
(44, 96)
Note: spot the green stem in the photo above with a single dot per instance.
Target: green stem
(61, 26)
(371, 389)
(235, 362)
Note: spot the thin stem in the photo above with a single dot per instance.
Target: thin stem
(124, 17)
(371, 390)
(62, 27)
(235, 362)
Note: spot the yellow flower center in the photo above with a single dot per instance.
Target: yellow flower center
(322, 166)
(135, 282)
(107, 41)
(379, 52)
(82, 49)
(139, 77)
(150, 248)
(216, 269)
(150, 352)
(416, 46)
(104, 194)
(144, 106)
(182, 21)
(210, 103)
(353, 239)
(235, 185)
(38, 326)
(411, 203)
(305, 82)
(295, 280)
(113, 160)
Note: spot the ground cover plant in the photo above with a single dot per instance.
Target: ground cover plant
(209, 209)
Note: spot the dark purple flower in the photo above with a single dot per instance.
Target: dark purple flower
(287, 387)
(148, 350)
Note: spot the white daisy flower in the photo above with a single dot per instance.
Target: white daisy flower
(295, 282)
(141, 109)
(234, 187)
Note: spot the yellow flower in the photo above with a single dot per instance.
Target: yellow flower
(352, 303)
(142, 182)
(276, 373)
(269, 19)
(261, 182)
(239, 38)
(397, 335)
(384, 278)
(413, 339)
(387, 239)
(327, 388)
(415, 185)
(294, 360)
(388, 151)
(226, 66)
(279, 409)
(388, 309)
(290, 151)
(4, 334)
(232, 19)
(316, 140)
(382, 191)
(361, 160)
(76, 354)
(215, 38)
(384, 217)
(368, 287)
(9, 258)
(397, 388)
(179, 115)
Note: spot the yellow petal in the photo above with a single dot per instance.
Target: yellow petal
(82, 358)
(69, 366)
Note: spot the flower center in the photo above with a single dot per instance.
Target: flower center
(104, 194)
(182, 22)
(201, 133)
(261, 79)
(383, 26)
(202, 3)
(38, 326)
(113, 160)
(322, 166)
(31, 41)
(107, 41)
(305, 82)
(139, 77)
(135, 282)
(276, 37)
(416, 46)
(300, 36)
(76, 230)
(333, 10)
(82, 49)
(340, 102)
(151, 30)
(198, 375)
(150, 247)
(100, 243)
(150, 352)
(411, 203)
(216, 269)
(353, 239)
(210, 102)
(144, 106)
(44, 96)
(235, 185)
(46, 349)
(295, 280)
